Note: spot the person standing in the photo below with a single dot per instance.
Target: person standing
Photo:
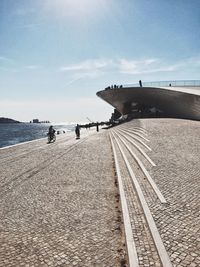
(77, 131)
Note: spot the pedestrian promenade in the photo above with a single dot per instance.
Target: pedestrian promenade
(59, 204)
(158, 164)
(127, 196)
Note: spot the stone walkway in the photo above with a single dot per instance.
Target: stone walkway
(176, 151)
(175, 148)
(59, 204)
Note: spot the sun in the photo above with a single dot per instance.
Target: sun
(73, 8)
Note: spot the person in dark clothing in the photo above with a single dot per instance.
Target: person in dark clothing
(77, 131)
(51, 134)
(51, 131)
(97, 126)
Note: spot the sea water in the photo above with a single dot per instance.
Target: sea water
(14, 133)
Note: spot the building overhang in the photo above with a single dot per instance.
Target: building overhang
(178, 102)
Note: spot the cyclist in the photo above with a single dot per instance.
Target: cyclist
(51, 132)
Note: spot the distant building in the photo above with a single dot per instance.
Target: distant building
(37, 121)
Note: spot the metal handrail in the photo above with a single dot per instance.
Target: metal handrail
(173, 83)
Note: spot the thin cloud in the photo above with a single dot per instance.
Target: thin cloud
(137, 66)
(78, 77)
(87, 69)
(33, 67)
(193, 60)
(154, 65)
(97, 67)
(73, 80)
(6, 59)
(88, 65)
(30, 26)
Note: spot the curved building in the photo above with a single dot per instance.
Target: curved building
(164, 101)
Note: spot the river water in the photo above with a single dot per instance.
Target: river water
(14, 133)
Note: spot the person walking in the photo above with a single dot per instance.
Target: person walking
(77, 131)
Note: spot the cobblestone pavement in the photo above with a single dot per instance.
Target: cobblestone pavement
(59, 204)
(176, 151)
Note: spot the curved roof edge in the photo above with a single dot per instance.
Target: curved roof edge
(178, 102)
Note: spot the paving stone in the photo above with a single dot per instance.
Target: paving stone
(58, 205)
(61, 211)
(175, 148)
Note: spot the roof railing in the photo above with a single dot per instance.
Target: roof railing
(173, 83)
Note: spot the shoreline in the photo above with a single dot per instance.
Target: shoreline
(22, 143)
(14, 134)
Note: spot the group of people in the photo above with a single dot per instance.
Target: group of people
(51, 132)
(86, 126)
(114, 87)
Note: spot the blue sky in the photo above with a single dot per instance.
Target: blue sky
(56, 54)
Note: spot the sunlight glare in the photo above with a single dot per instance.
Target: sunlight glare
(74, 8)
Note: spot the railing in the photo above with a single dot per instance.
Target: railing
(174, 83)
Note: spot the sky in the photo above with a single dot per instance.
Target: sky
(56, 54)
